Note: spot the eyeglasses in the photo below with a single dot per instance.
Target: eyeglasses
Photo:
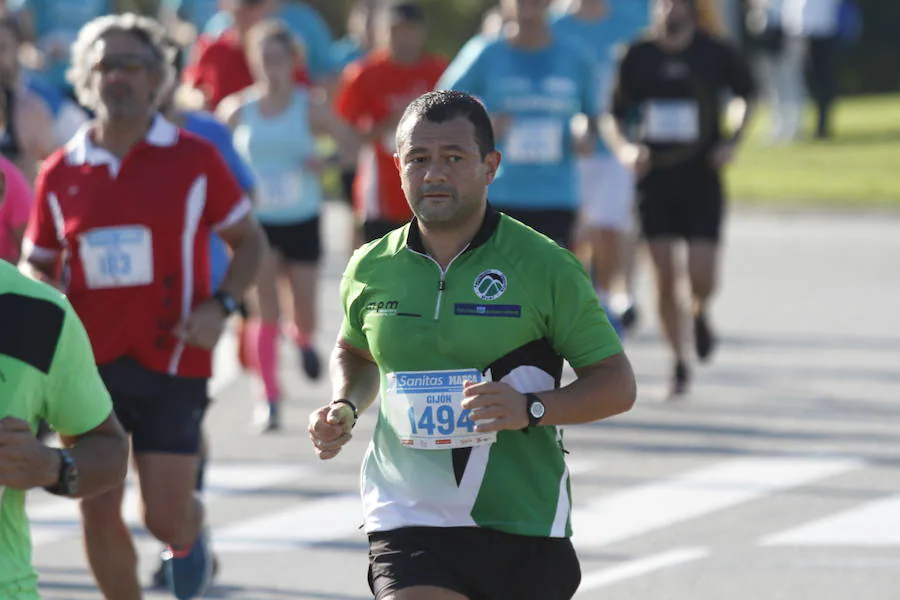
(130, 64)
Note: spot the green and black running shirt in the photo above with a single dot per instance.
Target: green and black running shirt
(47, 371)
(511, 307)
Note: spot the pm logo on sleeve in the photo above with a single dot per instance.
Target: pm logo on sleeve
(490, 284)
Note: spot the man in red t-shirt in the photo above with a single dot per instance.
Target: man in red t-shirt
(372, 96)
(219, 67)
(129, 204)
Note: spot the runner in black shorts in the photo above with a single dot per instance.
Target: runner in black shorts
(162, 413)
(674, 82)
(296, 242)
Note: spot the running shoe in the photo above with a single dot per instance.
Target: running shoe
(629, 317)
(704, 339)
(613, 319)
(309, 360)
(189, 571)
(680, 380)
(158, 580)
(268, 417)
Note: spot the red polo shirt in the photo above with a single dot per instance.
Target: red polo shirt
(135, 236)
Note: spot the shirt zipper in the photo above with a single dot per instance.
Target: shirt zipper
(442, 282)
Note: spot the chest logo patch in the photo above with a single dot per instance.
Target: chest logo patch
(490, 284)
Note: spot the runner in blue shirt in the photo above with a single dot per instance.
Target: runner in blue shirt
(534, 83)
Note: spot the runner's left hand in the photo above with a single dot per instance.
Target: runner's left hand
(204, 326)
(723, 154)
(25, 462)
(497, 401)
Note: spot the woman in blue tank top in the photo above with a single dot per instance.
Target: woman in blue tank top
(275, 124)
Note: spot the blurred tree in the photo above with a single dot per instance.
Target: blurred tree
(450, 22)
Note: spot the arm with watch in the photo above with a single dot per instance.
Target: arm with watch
(602, 389)
(248, 245)
(89, 464)
(77, 405)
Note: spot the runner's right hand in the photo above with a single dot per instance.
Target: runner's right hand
(637, 158)
(329, 429)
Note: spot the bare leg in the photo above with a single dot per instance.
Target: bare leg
(110, 549)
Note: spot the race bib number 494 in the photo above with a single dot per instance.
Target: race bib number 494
(425, 409)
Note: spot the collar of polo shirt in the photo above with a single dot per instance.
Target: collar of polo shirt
(81, 149)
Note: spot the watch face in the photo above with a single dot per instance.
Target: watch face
(537, 410)
(72, 482)
(70, 476)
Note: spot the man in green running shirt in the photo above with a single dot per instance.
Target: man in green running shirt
(47, 371)
(462, 320)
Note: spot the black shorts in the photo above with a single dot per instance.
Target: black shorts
(556, 224)
(296, 242)
(681, 203)
(481, 564)
(374, 229)
(161, 412)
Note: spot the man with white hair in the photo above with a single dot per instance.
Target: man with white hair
(130, 203)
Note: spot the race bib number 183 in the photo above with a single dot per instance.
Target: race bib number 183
(425, 409)
(117, 256)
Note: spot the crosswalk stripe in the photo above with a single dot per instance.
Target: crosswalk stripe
(638, 567)
(329, 519)
(53, 519)
(874, 524)
(654, 506)
(603, 521)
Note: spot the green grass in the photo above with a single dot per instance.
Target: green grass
(858, 168)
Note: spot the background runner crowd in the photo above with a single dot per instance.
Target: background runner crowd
(614, 118)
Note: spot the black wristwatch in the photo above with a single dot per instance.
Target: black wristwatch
(229, 304)
(352, 407)
(535, 409)
(67, 481)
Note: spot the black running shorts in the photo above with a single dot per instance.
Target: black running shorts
(686, 203)
(162, 413)
(481, 564)
(296, 242)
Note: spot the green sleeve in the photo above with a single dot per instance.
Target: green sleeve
(352, 326)
(578, 327)
(76, 400)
